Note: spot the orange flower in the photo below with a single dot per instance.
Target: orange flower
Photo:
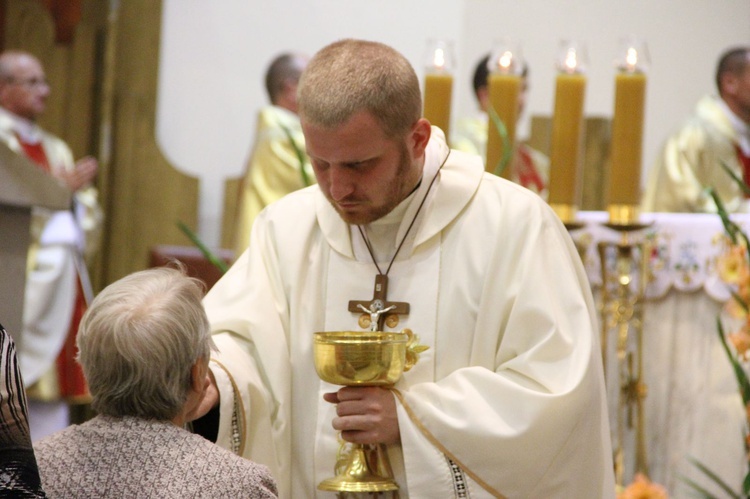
(732, 265)
(741, 342)
(643, 488)
(735, 309)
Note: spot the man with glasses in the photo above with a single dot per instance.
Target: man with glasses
(56, 281)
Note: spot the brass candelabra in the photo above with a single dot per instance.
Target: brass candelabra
(624, 268)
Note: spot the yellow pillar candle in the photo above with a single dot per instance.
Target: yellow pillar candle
(438, 89)
(627, 138)
(565, 149)
(504, 89)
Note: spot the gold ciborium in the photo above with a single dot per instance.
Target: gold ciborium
(354, 358)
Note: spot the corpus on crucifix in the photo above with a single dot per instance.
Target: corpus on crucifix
(379, 308)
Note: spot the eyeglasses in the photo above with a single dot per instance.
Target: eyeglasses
(29, 82)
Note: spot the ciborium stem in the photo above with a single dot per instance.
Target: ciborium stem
(353, 358)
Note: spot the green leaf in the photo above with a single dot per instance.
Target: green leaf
(734, 232)
(503, 132)
(300, 156)
(702, 492)
(216, 261)
(716, 479)
(741, 183)
(730, 227)
(739, 372)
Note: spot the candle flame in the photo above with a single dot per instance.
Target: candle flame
(571, 61)
(506, 60)
(631, 58)
(438, 59)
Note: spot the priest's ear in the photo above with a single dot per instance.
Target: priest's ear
(419, 137)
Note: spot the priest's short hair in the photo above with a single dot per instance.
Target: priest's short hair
(349, 76)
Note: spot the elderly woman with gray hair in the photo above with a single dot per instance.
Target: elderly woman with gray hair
(144, 346)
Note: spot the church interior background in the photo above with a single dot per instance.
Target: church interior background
(164, 94)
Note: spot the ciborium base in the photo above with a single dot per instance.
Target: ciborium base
(354, 358)
(358, 476)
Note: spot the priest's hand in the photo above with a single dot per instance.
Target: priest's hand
(366, 415)
(82, 175)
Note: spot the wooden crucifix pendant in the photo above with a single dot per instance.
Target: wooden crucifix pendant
(379, 307)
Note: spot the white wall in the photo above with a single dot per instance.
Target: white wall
(214, 54)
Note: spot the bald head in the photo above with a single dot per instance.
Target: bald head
(23, 84)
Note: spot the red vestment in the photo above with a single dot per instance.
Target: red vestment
(70, 378)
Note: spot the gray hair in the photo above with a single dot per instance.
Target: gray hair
(350, 76)
(139, 340)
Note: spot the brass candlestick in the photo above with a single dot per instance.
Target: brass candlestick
(353, 358)
(624, 267)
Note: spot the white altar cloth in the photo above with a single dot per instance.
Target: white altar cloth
(693, 407)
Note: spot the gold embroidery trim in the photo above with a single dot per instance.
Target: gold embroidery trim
(241, 407)
(434, 441)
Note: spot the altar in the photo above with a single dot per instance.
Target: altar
(692, 407)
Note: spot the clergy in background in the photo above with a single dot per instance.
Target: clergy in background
(717, 133)
(509, 399)
(528, 167)
(57, 283)
(278, 164)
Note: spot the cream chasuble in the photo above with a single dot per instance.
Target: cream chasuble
(410, 281)
(691, 161)
(273, 169)
(508, 400)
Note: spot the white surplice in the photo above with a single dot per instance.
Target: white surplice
(60, 241)
(511, 387)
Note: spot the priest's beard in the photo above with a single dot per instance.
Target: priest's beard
(395, 190)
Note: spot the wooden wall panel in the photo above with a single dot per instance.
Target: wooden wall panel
(229, 213)
(595, 156)
(103, 103)
(146, 195)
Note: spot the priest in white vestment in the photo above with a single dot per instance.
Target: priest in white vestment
(278, 164)
(57, 283)
(509, 399)
(714, 139)
(528, 167)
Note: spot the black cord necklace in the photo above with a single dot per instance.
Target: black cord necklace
(379, 304)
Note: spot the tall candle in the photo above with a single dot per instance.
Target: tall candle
(438, 88)
(438, 84)
(627, 133)
(504, 89)
(627, 138)
(565, 149)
